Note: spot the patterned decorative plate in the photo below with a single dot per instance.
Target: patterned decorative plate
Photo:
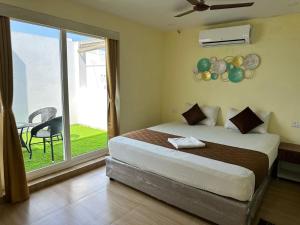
(251, 62)
(203, 65)
(219, 67)
(237, 61)
(249, 74)
(224, 77)
(195, 71)
(214, 76)
(213, 60)
(236, 75)
(206, 75)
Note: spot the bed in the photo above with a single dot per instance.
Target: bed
(218, 191)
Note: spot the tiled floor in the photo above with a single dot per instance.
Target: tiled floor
(92, 199)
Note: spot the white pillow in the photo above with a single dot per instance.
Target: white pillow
(211, 112)
(262, 129)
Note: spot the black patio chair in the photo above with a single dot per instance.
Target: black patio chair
(46, 114)
(47, 131)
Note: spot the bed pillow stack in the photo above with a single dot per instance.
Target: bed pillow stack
(258, 125)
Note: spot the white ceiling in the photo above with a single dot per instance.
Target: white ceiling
(160, 13)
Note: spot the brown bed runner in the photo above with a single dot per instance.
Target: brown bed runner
(253, 160)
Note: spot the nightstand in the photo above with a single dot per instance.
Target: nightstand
(289, 161)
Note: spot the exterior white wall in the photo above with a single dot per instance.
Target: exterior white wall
(87, 87)
(37, 80)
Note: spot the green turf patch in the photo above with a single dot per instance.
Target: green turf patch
(83, 140)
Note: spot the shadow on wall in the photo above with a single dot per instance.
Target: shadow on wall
(20, 102)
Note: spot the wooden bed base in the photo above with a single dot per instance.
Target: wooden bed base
(215, 208)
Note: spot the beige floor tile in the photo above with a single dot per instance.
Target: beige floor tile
(92, 199)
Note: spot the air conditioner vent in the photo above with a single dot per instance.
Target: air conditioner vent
(225, 36)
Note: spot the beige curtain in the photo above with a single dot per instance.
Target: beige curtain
(1, 155)
(112, 70)
(14, 172)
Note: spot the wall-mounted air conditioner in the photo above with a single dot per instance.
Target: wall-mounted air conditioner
(225, 36)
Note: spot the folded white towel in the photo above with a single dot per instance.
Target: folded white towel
(187, 142)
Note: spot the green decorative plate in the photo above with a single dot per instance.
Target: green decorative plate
(229, 67)
(214, 76)
(236, 75)
(203, 65)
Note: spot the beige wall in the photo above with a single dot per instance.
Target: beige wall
(275, 88)
(157, 66)
(140, 59)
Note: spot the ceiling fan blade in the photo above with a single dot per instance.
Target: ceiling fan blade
(231, 6)
(193, 2)
(185, 13)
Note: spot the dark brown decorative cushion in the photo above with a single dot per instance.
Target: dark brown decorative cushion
(246, 120)
(194, 115)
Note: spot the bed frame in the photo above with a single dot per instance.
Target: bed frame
(212, 207)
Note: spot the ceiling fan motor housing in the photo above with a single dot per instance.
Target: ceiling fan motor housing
(201, 7)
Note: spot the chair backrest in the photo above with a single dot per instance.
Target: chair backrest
(47, 113)
(54, 126)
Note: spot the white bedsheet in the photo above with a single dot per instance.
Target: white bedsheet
(207, 174)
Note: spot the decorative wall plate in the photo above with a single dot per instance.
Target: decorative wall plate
(237, 61)
(224, 77)
(251, 62)
(213, 60)
(206, 76)
(218, 67)
(234, 69)
(249, 74)
(236, 75)
(214, 76)
(195, 71)
(203, 65)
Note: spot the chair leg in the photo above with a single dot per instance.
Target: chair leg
(30, 149)
(27, 131)
(52, 152)
(44, 142)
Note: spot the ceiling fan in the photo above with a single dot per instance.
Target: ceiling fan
(201, 6)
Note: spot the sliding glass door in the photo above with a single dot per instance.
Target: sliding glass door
(37, 90)
(87, 93)
(59, 85)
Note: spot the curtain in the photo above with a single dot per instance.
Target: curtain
(112, 70)
(1, 155)
(15, 182)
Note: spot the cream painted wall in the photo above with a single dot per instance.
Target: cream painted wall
(148, 56)
(275, 88)
(140, 58)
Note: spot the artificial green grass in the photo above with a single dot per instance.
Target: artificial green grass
(83, 140)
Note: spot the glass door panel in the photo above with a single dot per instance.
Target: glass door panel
(87, 93)
(37, 92)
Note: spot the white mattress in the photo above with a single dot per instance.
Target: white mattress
(207, 174)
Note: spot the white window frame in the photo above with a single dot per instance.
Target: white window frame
(63, 26)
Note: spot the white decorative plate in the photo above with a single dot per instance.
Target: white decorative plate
(251, 62)
(219, 67)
